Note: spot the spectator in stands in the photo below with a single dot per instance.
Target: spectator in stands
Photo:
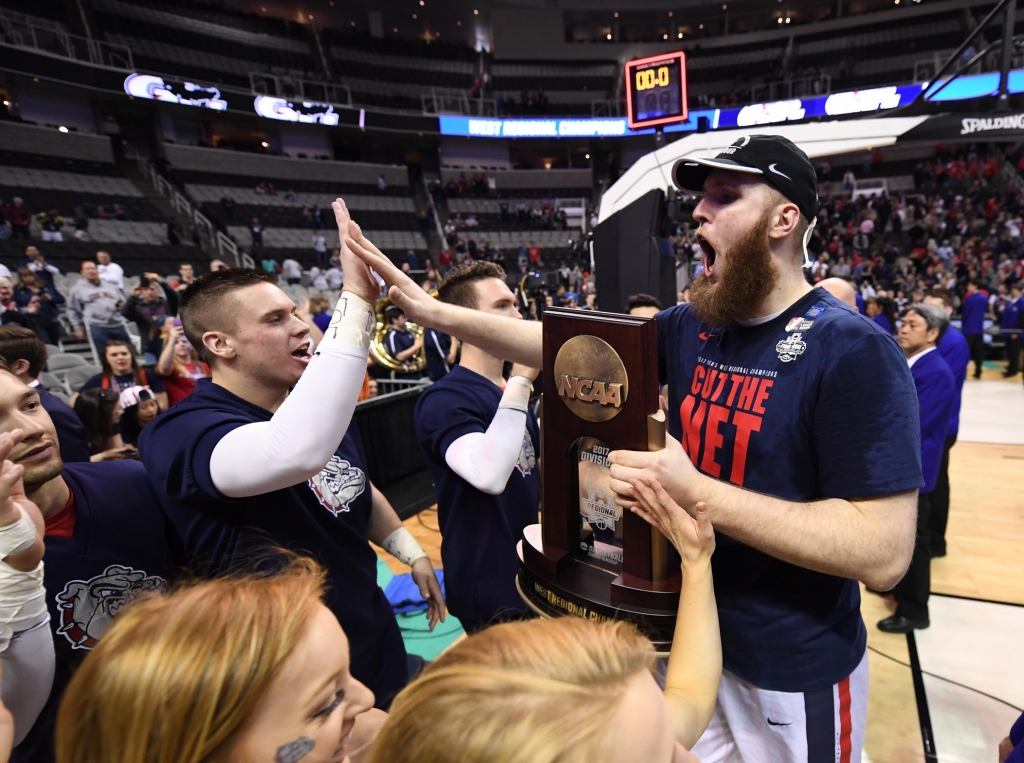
(139, 407)
(227, 205)
(118, 213)
(295, 694)
(173, 232)
(179, 366)
(270, 266)
(25, 354)
(382, 184)
(320, 247)
(320, 309)
(100, 413)
(47, 304)
(10, 313)
(121, 370)
(110, 272)
(186, 275)
(38, 264)
(256, 232)
(919, 336)
(292, 271)
(643, 305)
(147, 307)
(81, 224)
(533, 253)
(18, 217)
(973, 311)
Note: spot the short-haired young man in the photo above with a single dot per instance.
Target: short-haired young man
(800, 433)
(107, 542)
(400, 343)
(957, 354)
(25, 353)
(643, 305)
(480, 441)
(261, 454)
(922, 329)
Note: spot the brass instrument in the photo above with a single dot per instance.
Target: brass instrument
(380, 330)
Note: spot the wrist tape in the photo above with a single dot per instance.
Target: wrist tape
(352, 322)
(517, 394)
(401, 545)
(17, 537)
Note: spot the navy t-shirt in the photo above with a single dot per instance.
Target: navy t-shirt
(437, 345)
(479, 532)
(816, 403)
(973, 312)
(122, 546)
(324, 517)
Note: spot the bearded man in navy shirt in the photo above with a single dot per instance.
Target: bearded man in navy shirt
(262, 454)
(922, 329)
(795, 420)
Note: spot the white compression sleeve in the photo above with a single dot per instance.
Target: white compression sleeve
(486, 459)
(305, 431)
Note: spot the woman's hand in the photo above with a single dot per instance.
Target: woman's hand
(430, 589)
(693, 537)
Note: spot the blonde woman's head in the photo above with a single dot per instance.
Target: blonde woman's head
(238, 670)
(558, 691)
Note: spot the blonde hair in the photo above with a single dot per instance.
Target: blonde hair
(177, 675)
(543, 691)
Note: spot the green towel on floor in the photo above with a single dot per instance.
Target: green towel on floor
(418, 638)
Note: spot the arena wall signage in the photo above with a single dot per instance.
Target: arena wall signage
(155, 88)
(306, 112)
(956, 127)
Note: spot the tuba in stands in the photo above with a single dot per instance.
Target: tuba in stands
(380, 330)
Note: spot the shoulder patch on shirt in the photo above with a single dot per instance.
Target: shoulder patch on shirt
(338, 484)
(790, 347)
(815, 311)
(799, 324)
(88, 607)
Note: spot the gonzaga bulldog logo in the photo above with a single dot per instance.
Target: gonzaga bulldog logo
(338, 484)
(527, 455)
(87, 607)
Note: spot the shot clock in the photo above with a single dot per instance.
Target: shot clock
(656, 90)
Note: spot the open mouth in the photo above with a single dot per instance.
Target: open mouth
(302, 353)
(709, 254)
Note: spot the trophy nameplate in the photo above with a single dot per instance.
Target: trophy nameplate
(589, 557)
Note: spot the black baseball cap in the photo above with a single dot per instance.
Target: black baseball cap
(778, 160)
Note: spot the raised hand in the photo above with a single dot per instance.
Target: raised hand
(403, 291)
(358, 278)
(693, 537)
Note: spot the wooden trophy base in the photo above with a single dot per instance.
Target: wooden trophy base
(591, 588)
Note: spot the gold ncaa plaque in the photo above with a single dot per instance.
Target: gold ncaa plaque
(591, 378)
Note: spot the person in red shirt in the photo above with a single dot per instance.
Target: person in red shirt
(179, 365)
(533, 253)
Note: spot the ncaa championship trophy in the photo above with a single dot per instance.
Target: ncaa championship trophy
(588, 557)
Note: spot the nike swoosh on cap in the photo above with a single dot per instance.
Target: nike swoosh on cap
(771, 167)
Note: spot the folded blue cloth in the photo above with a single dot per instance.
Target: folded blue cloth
(404, 595)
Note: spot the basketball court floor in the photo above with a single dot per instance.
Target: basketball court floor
(949, 693)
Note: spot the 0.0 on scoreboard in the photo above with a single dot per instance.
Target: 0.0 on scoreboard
(656, 90)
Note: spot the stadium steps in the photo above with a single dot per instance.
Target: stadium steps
(131, 171)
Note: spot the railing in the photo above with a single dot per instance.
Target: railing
(783, 90)
(21, 31)
(296, 89)
(1010, 175)
(392, 386)
(435, 103)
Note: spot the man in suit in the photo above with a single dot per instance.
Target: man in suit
(972, 311)
(920, 334)
(957, 354)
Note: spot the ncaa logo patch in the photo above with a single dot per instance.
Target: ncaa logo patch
(88, 607)
(790, 347)
(338, 484)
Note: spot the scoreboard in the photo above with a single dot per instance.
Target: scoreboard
(656, 90)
